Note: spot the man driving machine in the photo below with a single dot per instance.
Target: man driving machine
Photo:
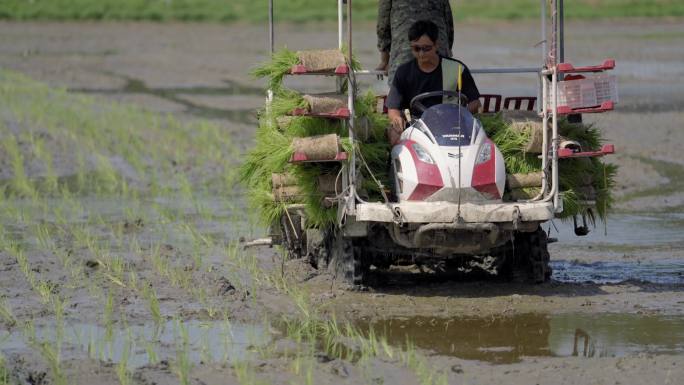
(427, 72)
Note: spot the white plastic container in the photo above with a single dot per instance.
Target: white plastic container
(588, 92)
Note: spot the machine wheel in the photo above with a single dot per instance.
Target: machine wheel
(345, 260)
(526, 258)
(316, 248)
(539, 269)
(287, 231)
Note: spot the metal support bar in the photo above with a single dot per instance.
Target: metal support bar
(543, 30)
(502, 70)
(554, 140)
(351, 89)
(271, 33)
(545, 133)
(540, 82)
(505, 70)
(340, 29)
(561, 33)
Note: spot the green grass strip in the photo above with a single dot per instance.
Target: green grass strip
(300, 11)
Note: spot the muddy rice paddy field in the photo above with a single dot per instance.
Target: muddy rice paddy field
(121, 221)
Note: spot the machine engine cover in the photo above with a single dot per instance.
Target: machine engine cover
(443, 153)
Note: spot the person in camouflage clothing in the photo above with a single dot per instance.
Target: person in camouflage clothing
(395, 17)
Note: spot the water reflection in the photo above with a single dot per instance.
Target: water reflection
(509, 339)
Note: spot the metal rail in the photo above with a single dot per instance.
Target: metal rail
(501, 70)
(351, 89)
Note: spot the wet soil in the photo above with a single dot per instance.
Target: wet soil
(613, 312)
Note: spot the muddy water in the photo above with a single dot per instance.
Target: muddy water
(628, 230)
(657, 271)
(640, 247)
(209, 341)
(508, 339)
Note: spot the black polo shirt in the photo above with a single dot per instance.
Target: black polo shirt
(410, 80)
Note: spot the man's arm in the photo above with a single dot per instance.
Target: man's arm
(397, 125)
(384, 31)
(471, 91)
(449, 19)
(394, 103)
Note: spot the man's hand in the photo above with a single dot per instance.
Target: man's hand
(384, 63)
(474, 106)
(397, 125)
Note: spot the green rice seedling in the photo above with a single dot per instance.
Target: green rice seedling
(387, 349)
(331, 337)
(80, 172)
(572, 172)
(122, 371)
(108, 316)
(52, 357)
(58, 308)
(20, 184)
(50, 185)
(160, 264)
(280, 64)
(4, 372)
(272, 151)
(208, 305)
(205, 348)
(22, 260)
(45, 290)
(284, 102)
(182, 364)
(226, 335)
(152, 357)
(44, 238)
(180, 277)
(296, 365)
(184, 186)
(117, 266)
(83, 238)
(245, 373)
(133, 280)
(112, 270)
(47, 351)
(152, 302)
(6, 313)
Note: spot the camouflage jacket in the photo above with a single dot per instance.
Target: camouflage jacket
(395, 17)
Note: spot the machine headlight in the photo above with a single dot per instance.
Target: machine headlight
(485, 153)
(423, 155)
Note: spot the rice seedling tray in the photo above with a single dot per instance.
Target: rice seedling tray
(607, 64)
(340, 113)
(604, 107)
(300, 69)
(606, 149)
(300, 157)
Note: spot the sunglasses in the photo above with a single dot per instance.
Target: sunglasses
(422, 48)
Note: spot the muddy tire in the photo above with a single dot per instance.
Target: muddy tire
(287, 232)
(526, 258)
(539, 270)
(345, 261)
(317, 248)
